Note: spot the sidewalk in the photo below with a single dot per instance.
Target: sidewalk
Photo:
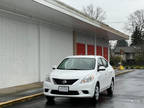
(22, 93)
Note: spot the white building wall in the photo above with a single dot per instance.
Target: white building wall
(18, 51)
(28, 50)
(85, 38)
(55, 44)
(102, 42)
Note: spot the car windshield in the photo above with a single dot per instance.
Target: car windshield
(77, 64)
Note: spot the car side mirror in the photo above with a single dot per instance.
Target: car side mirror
(54, 67)
(101, 68)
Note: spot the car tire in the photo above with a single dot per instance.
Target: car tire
(111, 89)
(96, 94)
(49, 99)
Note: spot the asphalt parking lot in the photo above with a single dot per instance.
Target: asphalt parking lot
(129, 93)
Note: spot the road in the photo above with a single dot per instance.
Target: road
(129, 93)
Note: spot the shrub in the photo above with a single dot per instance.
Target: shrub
(139, 60)
(114, 60)
(138, 67)
(126, 67)
(132, 67)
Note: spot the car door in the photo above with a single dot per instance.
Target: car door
(108, 75)
(101, 75)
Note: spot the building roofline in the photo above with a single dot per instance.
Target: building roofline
(66, 9)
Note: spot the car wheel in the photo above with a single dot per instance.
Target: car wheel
(96, 94)
(111, 89)
(49, 99)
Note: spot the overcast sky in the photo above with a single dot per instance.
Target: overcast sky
(117, 11)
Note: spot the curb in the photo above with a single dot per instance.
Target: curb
(124, 72)
(22, 99)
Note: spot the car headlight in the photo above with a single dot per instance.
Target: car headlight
(48, 79)
(87, 79)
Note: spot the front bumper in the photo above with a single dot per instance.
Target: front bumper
(76, 90)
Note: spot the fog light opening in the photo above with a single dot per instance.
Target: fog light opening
(85, 92)
(46, 90)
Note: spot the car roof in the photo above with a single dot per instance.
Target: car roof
(84, 56)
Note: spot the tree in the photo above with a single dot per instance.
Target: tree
(137, 38)
(95, 13)
(122, 43)
(136, 19)
(135, 25)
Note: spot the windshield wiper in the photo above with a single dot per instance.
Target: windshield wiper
(74, 69)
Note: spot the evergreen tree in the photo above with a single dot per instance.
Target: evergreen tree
(122, 43)
(137, 37)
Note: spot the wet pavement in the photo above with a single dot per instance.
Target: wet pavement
(8, 97)
(129, 93)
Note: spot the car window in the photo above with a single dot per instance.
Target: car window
(105, 63)
(99, 62)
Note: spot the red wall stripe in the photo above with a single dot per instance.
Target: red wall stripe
(90, 49)
(99, 50)
(80, 49)
(105, 53)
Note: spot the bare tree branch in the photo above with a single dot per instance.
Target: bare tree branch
(136, 20)
(95, 13)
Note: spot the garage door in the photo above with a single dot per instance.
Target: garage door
(99, 50)
(80, 49)
(90, 49)
(105, 52)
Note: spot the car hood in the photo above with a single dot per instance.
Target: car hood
(70, 74)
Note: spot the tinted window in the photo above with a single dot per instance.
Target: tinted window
(77, 64)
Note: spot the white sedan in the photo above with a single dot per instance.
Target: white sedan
(80, 76)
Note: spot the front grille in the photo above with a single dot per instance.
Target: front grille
(64, 82)
(65, 93)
